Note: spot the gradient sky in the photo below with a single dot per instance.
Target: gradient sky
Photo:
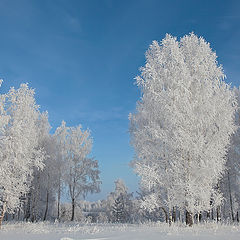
(82, 57)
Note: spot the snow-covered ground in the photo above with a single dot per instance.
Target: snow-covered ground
(158, 231)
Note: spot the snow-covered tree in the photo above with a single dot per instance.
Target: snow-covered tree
(230, 184)
(26, 147)
(118, 205)
(19, 154)
(61, 140)
(118, 209)
(66, 213)
(183, 123)
(48, 177)
(41, 197)
(82, 174)
(3, 121)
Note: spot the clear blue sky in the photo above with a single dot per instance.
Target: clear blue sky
(82, 57)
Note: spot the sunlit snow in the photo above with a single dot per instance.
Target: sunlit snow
(156, 231)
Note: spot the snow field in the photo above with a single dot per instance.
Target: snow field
(151, 231)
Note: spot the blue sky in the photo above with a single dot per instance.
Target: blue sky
(82, 57)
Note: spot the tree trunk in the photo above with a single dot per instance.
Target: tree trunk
(46, 209)
(208, 214)
(237, 217)
(189, 218)
(18, 215)
(33, 208)
(58, 201)
(33, 218)
(200, 216)
(2, 214)
(224, 211)
(73, 209)
(230, 196)
(218, 214)
(170, 219)
(166, 215)
(28, 207)
(174, 214)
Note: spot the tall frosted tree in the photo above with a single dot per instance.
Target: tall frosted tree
(61, 140)
(19, 154)
(81, 173)
(41, 197)
(182, 125)
(231, 180)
